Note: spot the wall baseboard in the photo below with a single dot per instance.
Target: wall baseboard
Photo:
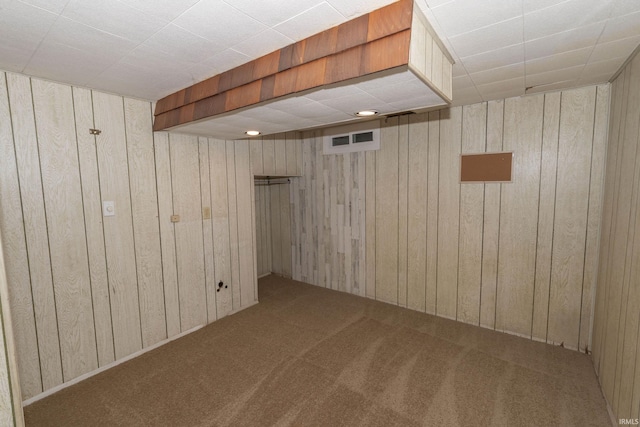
(105, 367)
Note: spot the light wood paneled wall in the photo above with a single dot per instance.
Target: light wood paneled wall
(87, 290)
(276, 155)
(10, 396)
(328, 219)
(273, 228)
(616, 324)
(397, 225)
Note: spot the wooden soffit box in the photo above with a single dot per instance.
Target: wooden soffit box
(389, 60)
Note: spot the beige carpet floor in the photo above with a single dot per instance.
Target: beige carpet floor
(309, 356)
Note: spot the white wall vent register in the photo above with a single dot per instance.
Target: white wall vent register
(363, 136)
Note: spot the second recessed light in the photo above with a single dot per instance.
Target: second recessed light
(253, 132)
(366, 113)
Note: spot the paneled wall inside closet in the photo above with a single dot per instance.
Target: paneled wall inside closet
(397, 225)
(88, 289)
(273, 227)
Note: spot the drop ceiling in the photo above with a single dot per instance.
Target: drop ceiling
(149, 49)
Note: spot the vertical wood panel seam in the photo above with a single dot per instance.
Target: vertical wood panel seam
(133, 223)
(164, 293)
(104, 238)
(44, 206)
(553, 229)
(175, 241)
(586, 231)
(204, 251)
(235, 180)
(459, 215)
(213, 240)
(24, 232)
(155, 172)
(435, 305)
(406, 294)
(495, 303)
(235, 173)
(463, 110)
(375, 216)
(254, 237)
(84, 220)
(426, 207)
(398, 284)
(535, 263)
(484, 205)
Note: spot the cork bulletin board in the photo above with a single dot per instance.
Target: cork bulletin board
(486, 167)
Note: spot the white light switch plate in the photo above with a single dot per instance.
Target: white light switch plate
(108, 208)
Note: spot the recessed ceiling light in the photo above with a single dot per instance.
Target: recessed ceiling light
(253, 132)
(366, 113)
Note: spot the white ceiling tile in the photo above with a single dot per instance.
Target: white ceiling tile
(215, 20)
(23, 27)
(263, 43)
(115, 18)
(498, 94)
(462, 82)
(55, 6)
(14, 59)
(390, 78)
(77, 35)
(625, 7)
(124, 78)
(502, 86)
(609, 66)
(182, 45)
(498, 74)
(622, 27)
(550, 77)
(145, 58)
(618, 48)
(223, 61)
(166, 9)
(533, 5)
(435, 3)
(272, 12)
(573, 39)
(329, 93)
(466, 96)
(494, 59)
(352, 8)
(352, 103)
(66, 64)
(462, 16)
(562, 60)
(489, 38)
(458, 69)
(310, 22)
(564, 16)
(594, 79)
